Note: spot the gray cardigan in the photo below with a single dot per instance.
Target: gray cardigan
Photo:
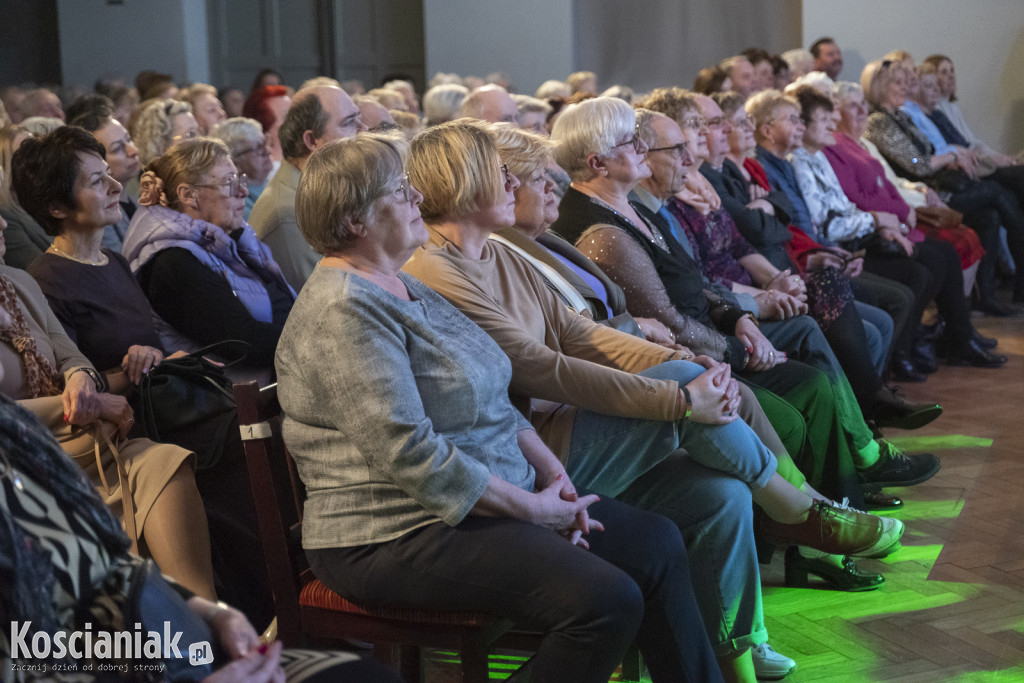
(396, 412)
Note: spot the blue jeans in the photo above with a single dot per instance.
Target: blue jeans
(878, 327)
(705, 490)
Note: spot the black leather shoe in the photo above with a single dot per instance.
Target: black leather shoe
(987, 343)
(994, 307)
(931, 332)
(893, 410)
(845, 578)
(924, 357)
(896, 468)
(876, 500)
(903, 369)
(973, 354)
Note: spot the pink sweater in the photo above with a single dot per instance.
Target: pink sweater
(863, 178)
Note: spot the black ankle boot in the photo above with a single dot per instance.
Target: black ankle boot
(904, 370)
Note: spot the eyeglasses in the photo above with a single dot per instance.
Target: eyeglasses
(260, 150)
(678, 150)
(188, 135)
(792, 118)
(233, 183)
(745, 122)
(635, 140)
(695, 122)
(716, 122)
(507, 174)
(404, 187)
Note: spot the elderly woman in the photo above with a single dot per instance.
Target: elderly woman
(912, 155)
(250, 151)
(423, 480)
(871, 184)
(149, 486)
(160, 124)
(200, 264)
(635, 248)
(930, 267)
(24, 238)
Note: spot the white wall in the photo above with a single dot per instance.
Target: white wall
(169, 36)
(984, 38)
(530, 40)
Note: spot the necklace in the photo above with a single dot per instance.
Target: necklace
(7, 471)
(102, 261)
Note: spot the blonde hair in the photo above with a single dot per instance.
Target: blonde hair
(154, 127)
(193, 91)
(456, 167)
(340, 183)
(762, 107)
(672, 102)
(187, 163)
(590, 127)
(8, 135)
(876, 76)
(522, 151)
(577, 79)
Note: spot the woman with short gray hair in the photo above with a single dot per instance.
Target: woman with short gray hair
(250, 152)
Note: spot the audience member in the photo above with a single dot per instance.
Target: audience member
(827, 57)
(582, 81)
(24, 240)
(250, 152)
(533, 114)
(41, 102)
(205, 106)
(232, 99)
(375, 116)
(490, 103)
(268, 105)
(442, 103)
(741, 74)
(160, 124)
(316, 117)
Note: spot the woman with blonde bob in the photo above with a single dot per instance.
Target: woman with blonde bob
(426, 488)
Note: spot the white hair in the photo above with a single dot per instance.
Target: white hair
(442, 102)
(590, 127)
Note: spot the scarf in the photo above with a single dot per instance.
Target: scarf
(41, 376)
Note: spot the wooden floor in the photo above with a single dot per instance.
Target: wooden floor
(952, 607)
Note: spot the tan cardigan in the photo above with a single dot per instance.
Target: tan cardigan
(560, 360)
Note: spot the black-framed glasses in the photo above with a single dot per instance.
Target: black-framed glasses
(233, 183)
(635, 140)
(507, 174)
(679, 150)
(404, 187)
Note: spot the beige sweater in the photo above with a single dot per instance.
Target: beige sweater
(560, 360)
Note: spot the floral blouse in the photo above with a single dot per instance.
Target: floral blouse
(833, 214)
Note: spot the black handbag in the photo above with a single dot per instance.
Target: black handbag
(157, 607)
(188, 401)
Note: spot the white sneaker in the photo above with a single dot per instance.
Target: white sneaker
(769, 665)
(888, 542)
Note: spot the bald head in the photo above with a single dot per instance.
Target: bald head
(490, 103)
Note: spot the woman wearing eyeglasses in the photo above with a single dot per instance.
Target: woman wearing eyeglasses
(250, 151)
(202, 267)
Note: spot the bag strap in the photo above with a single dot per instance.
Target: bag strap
(127, 495)
(230, 344)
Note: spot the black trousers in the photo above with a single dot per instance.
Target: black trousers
(934, 273)
(634, 581)
(1002, 192)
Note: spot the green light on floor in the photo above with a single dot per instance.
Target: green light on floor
(938, 443)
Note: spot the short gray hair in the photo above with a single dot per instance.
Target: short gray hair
(238, 132)
(442, 102)
(644, 119)
(843, 89)
(590, 127)
(553, 88)
(340, 183)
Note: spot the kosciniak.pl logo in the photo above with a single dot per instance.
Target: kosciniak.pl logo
(88, 645)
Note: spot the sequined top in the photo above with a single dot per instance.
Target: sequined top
(901, 143)
(659, 278)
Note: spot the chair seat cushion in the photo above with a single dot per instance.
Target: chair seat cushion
(316, 594)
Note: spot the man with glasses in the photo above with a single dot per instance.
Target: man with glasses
(317, 116)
